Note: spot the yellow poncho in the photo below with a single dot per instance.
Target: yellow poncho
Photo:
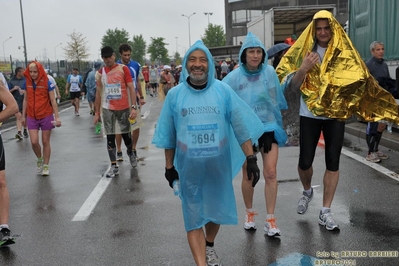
(341, 85)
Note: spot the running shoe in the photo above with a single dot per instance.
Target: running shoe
(303, 202)
(39, 165)
(18, 135)
(119, 156)
(5, 234)
(91, 112)
(327, 220)
(113, 171)
(249, 223)
(26, 135)
(271, 228)
(46, 170)
(76, 113)
(381, 155)
(373, 157)
(211, 258)
(133, 158)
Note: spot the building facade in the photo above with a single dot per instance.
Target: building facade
(240, 12)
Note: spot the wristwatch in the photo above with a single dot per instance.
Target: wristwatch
(134, 107)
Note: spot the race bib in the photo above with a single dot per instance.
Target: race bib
(203, 140)
(113, 91)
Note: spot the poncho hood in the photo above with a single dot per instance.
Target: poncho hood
(199, 45)
(252, 41)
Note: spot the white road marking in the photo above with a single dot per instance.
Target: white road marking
(91, 202)
(375, 166)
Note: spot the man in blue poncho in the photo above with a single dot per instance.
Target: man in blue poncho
(202, 125)
(257, 84)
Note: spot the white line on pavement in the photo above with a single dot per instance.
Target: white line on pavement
(375, 166)
(91, 202)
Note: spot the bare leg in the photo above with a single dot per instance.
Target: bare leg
(46, 146)
(211, 230)
(118, 138)
(196, 240)
(34, 140)
(270, 173)
(135, 138)
(306, 177)
(77, 104)
(4, 199)
(330, 183)
(246, 188)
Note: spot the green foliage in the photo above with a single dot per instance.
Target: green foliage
(214, 36)
(61, 82)
(77, 48)
(114, 38)
(138, 49)
(177, 58)
(157, 50)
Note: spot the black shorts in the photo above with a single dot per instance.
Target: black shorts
(333, 132)
(265, 141)
(74, 94)
(154, 85)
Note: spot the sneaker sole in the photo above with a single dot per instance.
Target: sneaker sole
(250, 227)
(373, 160)
(271, 234)
(335, 228)
(120, 159)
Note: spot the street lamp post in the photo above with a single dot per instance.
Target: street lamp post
(189, 34)
(176, 44)
(23, 33)
(4, 51)
(55, 52)
(208, 14)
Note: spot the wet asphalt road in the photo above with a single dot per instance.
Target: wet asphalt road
(138, 220)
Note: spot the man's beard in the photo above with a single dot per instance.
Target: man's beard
(199, 79)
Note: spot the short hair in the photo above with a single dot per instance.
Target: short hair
(244, 55)
(107, 51)
(124, 47)
(374, 44)
(75, 68)
(17, 69)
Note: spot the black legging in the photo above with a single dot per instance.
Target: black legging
(111, 145)
(333, 132)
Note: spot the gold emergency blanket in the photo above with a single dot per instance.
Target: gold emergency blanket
(341, 85)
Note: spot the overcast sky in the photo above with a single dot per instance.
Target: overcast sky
(48, 23)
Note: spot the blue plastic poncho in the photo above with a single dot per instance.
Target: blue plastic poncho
(260, 89)
(206, 128)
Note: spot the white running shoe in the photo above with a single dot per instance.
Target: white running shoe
(211, 258)
(249, 223)
(271, 228)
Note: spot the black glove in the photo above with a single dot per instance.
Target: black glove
(252, 169)
(171, 175)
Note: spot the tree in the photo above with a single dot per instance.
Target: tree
(76, 49)
(158, 51)
(177, 58)
(114, 38)
(214, 36)
(138, 49)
